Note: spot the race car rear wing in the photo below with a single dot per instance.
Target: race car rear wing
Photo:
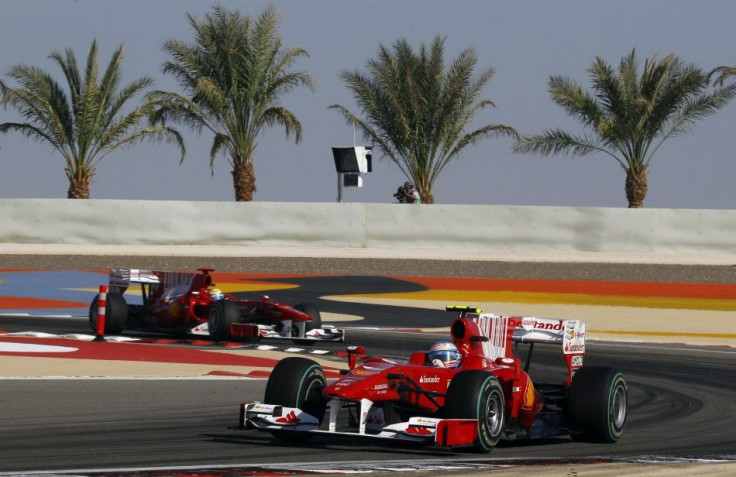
(173, 282)
(530, 329)
(123, 277)
(500, 331)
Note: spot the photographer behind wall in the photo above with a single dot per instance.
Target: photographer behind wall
(407, 194)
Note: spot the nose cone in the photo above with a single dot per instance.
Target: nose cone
(368, 381)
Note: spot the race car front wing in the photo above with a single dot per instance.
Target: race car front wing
(256, 331)
(418, 430)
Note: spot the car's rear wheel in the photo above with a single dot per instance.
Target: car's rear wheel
(478, 395)
(597, 404)
(223, 313)
(297, 382)
(116, 313)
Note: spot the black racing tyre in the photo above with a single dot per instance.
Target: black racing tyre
(297, 382)
(476, 394)
(223, 313)
(312, 311)
(596, 405)
(116, 313)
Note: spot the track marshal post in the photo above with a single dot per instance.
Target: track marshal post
(101, 312)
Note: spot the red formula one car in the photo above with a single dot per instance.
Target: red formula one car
(488, 397)
(190, 303)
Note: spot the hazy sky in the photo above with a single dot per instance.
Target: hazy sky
(524, 41)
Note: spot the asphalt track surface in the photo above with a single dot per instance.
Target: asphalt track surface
(680, 397)
(678, 400)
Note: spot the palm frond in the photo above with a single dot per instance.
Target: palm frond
(723, 72)
(557, 141)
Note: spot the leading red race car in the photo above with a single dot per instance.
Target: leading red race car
(189, 303)
(488, 397)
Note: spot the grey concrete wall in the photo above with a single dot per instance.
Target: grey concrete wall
(355, 225)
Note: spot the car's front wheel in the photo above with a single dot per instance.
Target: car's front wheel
(223, 313)
(313, 311)
(297, 382)
(478, 395)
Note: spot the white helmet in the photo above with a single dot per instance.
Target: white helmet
(444, 354)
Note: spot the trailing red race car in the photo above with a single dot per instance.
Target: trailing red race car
(190, 303)
(487, 397)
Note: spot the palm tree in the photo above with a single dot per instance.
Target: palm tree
(417, 111)
(629, 116)
(86, 123)
(233, 76)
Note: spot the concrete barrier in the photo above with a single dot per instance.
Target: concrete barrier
(479, 228)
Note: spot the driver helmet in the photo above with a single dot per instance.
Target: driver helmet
(408, 185)
(444, 354)
(216, 294)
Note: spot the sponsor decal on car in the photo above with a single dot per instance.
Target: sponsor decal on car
(373, 368)
(345, 382)
(290, 418)
(363, 372)
(533, 323)
(573, 340)
(418, 430)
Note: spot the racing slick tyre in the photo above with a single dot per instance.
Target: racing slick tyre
(596, 405)
(297, 382)
(312, 311)
(223, 313)
(116, 313)
(477, 395)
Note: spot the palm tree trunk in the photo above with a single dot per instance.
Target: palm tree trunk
(426, 196)
(78, 187)
(636, 188)
(244, 180)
